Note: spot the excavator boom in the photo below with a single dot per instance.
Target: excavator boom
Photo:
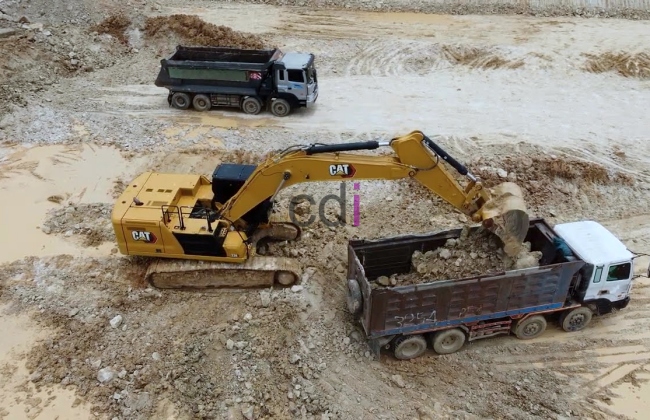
(213, 234)
(503, 209)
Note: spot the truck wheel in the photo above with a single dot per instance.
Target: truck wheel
(180, 100)
(410, 347)
(354, 297)
(576, 319)
(251, 105)
(531, 327)
(201, 102)
(448, 341)
(280, 108)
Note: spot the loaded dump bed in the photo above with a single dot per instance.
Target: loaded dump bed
(443, 303)
(225, 57)
(218, 71)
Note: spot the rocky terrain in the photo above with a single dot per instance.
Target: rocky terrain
(535, 93)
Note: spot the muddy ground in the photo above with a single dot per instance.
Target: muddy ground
(555, 102)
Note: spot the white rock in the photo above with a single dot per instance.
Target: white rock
(248, 317)
(265, 297)
(116, 321)
(105, 374)
(398, 380)
(502, 173)
(230, 344)
(155, 355)
(248, 412)
(296, 288)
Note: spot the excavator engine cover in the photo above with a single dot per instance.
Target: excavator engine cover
(505, 215)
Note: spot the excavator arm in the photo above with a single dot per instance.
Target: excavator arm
(502, 210)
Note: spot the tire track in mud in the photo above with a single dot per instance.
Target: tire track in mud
(399, 57)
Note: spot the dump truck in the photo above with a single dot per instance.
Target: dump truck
(584, 271)
(251, 80)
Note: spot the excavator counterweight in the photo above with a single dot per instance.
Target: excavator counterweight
(213, 233)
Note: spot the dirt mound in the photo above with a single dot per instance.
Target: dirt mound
(543, 176)
(477, 58)
(623, 63)
(472, 254)
(90, 220)
(115, 26)
(198, 32)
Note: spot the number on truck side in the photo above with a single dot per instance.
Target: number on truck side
(420, 316)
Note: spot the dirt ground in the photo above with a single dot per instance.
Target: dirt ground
(555, 102)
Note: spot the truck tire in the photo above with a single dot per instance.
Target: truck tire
(409, 347)
(181, 100)
(531, 327)
(354, 297)
(576, 319)
(280, 107)
(251, 105)
(201, 102)
(448, 341)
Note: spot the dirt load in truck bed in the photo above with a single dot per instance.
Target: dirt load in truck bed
(472, 254)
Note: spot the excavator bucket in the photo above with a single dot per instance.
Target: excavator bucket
(505, 215)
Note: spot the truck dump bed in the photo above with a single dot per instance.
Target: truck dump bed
(216, 70)
(222, 57)
(442, 303)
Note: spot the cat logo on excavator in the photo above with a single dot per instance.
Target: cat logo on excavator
(144, 236)
(345, 170)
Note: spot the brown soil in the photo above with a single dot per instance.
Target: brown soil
(196, 31)
(114, 25)
(623, 63)
(543, 178)
(478, 58)
(538, 168)
(472, 254)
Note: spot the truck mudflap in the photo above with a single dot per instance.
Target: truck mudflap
(376, 344)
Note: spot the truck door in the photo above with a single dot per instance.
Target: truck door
(282, 81)
(292, 81)
(298, 83)
(611, 282)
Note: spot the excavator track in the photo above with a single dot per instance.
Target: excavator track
(258, 271)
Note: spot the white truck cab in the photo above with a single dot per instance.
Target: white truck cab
(607, 276)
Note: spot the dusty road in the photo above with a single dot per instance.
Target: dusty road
(490, 89)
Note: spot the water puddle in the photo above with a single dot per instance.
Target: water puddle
(29, 176)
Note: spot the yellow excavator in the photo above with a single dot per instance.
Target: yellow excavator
(214, 233)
